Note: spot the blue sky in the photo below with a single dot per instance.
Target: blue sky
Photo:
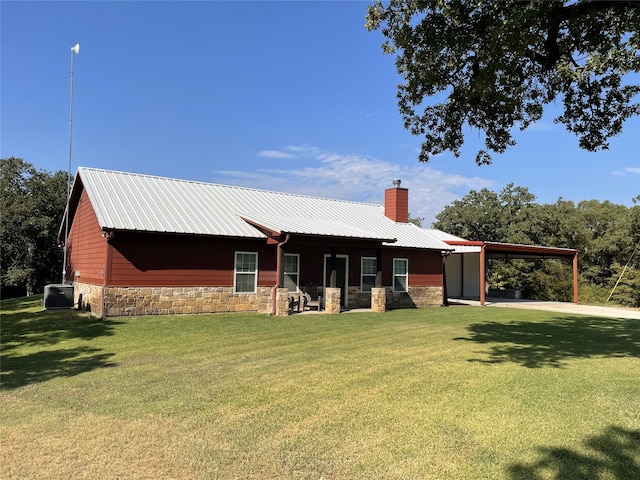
(286, 96)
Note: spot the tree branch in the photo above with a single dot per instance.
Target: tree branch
(567, 13)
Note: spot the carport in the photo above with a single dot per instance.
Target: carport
(506, 251)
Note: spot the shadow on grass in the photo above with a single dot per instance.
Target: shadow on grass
(551, 343)
(18, 371)
(27, 327)
(614, 454)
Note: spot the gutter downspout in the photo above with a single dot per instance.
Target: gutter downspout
(278, 273)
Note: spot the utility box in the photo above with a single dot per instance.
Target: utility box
(58, 296)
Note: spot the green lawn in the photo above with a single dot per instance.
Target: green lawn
(436, 393)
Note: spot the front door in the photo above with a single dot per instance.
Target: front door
(341, 276)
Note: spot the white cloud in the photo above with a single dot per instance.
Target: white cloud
(359, 178)
(541, 126)
(275, 154)
(626, 171)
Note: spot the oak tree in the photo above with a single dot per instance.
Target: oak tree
(31, 208)
(493, 66)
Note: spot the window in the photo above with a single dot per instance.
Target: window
(368, 272)
(400, 274)
(291, 271)
(246, 272)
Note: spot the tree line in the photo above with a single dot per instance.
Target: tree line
(32, 206)
(606, 234)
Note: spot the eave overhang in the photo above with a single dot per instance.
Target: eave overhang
(513, 250)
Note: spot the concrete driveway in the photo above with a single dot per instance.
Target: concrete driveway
(561, 307)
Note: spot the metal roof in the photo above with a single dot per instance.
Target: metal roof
(458, 247)
(312, 226)
(128, 201)
(501, 250)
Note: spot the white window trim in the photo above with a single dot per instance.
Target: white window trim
(393, 278)
(297, 272)
(362, 275)
(236, 273)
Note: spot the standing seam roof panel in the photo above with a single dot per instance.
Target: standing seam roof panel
(141, 202)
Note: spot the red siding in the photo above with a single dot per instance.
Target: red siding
(87, 246)
(425, 266)
(425, 269)
(311, 262)
(143, 259)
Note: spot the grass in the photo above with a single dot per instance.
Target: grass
(437, 393)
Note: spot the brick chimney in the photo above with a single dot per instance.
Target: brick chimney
(396, 203)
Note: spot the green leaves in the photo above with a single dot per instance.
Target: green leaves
(496, 64)
(32, 205)
(603, 232)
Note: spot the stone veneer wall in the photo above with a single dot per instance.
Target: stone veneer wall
(332, 300)
(126, 301)
(414, 297)
(358, 299)
(378, 299)
(88, 297)
(129, 301)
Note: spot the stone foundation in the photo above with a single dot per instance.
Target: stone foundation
(359, 299)
(88, 297)
(130, 301)
(415, 297)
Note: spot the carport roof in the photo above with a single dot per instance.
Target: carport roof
(500, 249)
(514, 250)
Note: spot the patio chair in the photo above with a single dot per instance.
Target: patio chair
(311, 298)
(294, 303)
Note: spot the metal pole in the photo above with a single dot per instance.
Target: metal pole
(623, 270)
(74, 51)
(483, 274)
(575, 278)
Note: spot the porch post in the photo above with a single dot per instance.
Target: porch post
(575, 277)
(482, 274)
(445, 294)
(332, 277)
(280, 265)
(379, 268)
(282, 302)
(378, 299)
(332, 300)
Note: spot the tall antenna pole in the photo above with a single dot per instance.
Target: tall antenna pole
(74, 51)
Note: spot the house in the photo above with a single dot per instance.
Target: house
(145, 245)
(466, 266)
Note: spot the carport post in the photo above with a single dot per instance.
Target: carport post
(482, 274)
(575, 277)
